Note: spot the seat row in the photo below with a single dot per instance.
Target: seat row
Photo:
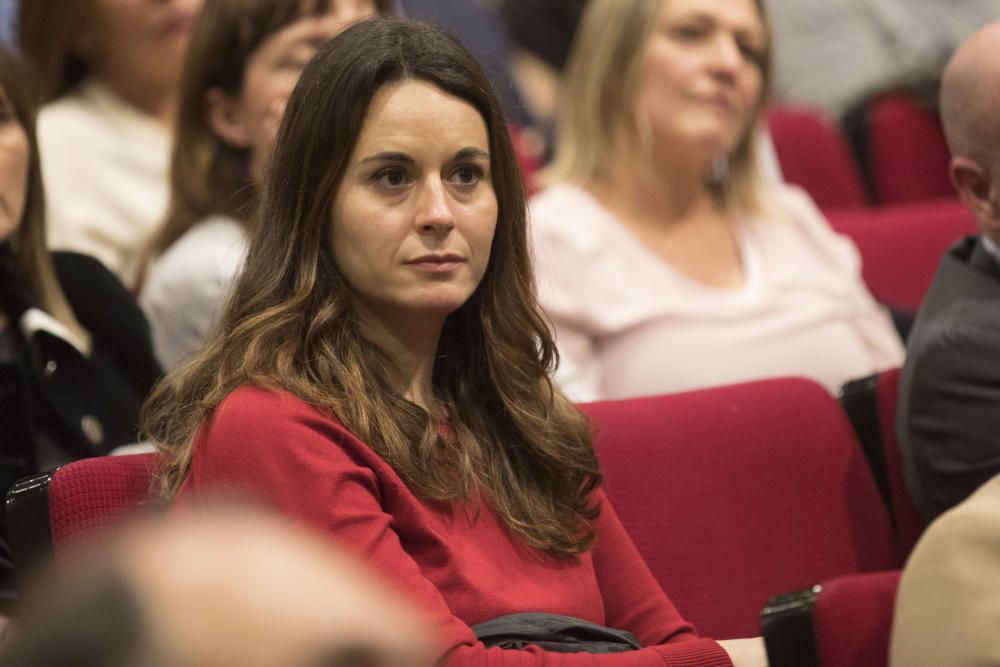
(734, 495)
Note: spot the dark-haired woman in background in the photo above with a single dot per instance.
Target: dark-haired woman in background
(382, 368)
(75, 355)
(244, 59)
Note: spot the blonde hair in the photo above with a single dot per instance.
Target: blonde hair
(32, 259)
(597, 114)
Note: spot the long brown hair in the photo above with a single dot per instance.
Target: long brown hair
(515, 438)
(47, 32)
(208, 176)
(597, 116)
(31, 257)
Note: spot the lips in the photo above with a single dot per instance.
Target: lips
(178, 22)
(436, 262)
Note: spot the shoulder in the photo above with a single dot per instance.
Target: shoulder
(966, 328)
(88, 284)
(798, 231)
(206, 258)
(271, 423)
(568, 224)
(563, 207)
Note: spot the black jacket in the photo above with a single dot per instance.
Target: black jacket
(81, 405)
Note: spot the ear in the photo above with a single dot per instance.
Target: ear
(225, 116)
(972, 182)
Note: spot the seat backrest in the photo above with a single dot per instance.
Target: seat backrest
(813, 154)
(907, 150)
(852, 619)
(54, 513)
(909, 524)
(739, 493)
(901, 246)
(843, 622)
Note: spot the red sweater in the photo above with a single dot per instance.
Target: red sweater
(461, 568)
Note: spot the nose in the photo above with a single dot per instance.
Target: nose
(434, 214)
(726, 58)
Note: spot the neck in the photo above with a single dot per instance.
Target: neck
(412, 349)
(155, 99)
(664, 188)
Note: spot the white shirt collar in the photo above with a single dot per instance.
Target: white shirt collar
(35, 319)
(991, 247)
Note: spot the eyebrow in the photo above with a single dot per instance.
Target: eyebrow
(396, 156)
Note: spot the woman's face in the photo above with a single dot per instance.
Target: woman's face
(136, 42)
(413, 219)
(703, 78)
(14, 158)
(274, 67)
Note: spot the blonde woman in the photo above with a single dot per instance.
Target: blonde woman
(664, 260)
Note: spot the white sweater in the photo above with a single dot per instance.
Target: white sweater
(105, 169)
(627, 324)
(187, 287)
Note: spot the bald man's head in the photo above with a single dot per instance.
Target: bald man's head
(970, 95)
(970, 113)
(224, 587)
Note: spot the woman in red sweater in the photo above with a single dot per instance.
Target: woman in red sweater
(382, 368)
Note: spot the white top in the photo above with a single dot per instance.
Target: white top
(186, 288)
(105, 169)
(627, 324)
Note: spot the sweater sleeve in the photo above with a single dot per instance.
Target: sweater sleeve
(308, 466)
(871, 320)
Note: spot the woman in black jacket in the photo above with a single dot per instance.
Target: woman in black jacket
(75, 354)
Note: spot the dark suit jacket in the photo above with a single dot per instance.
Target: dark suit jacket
(948, 422)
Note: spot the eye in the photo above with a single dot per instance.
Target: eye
(751, 52)
(466, 175)
(687, 32)
(391, 178)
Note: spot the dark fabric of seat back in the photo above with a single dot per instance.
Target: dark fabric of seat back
(736, 494)
(909, 524)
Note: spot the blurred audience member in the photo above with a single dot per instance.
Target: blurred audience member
(75, 355)
(216, 589)
(108, 72)
(541, 32)
(381, 370)
(948, 604)
(665, 260)
(244, 60)
(835, 54)
(949, 401)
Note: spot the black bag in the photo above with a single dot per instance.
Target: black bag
(552, 632)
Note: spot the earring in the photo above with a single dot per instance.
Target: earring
(718, 171)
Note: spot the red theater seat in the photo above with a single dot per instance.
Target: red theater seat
(813, 154)
(842, 622)
(57, 511)
(901, 246)
(906, 149)
(736, 494)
